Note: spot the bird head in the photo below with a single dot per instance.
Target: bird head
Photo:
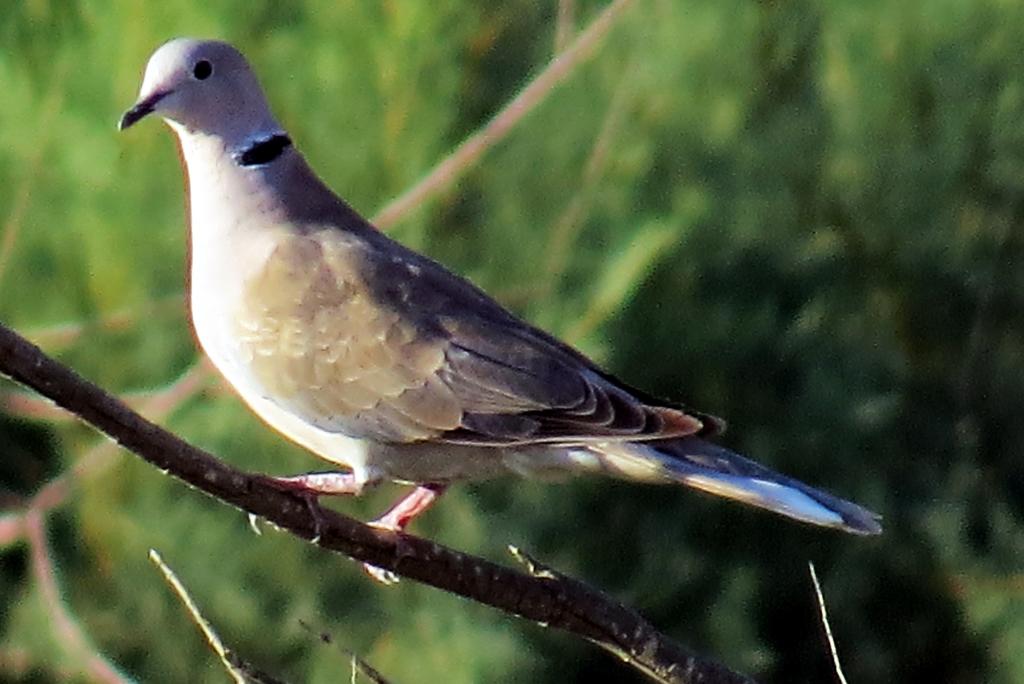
(203, 87)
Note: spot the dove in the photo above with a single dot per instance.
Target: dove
(382, 361)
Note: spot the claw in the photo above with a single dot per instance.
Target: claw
(385, 577)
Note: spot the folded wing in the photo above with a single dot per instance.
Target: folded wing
(387, 345)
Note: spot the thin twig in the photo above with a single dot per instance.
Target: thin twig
(567, 226)
(560, 603)
(466, 154)
(564, 23)
(12, 529)
(16, 663)
(62, 334)
(33, 167)
(204, 625)
(241, 672)
(359, 666)
(621, 277)
(68, 633)
(963, 584)
(824, 621)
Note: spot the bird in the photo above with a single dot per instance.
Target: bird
(382, 361)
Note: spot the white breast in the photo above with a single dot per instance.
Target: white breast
(235, 222)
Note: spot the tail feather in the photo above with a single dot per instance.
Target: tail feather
(712, 468)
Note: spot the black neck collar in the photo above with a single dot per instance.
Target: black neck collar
(264, 151)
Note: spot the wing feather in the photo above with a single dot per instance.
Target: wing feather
(366, 338)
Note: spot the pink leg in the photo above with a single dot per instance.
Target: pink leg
(399, 516)
(409, 506)
(328, 484)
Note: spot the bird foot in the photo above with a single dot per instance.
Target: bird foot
(321, 484)
(397, 518)
(311, 486)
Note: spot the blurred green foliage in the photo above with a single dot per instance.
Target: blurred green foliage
(805, 217)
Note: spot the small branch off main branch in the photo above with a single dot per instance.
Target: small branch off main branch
(546, 597)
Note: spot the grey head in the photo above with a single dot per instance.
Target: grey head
(204, 87)
(237, 156)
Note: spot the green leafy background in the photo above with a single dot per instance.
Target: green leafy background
(803, 216)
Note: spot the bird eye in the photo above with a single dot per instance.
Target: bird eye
(202, 70)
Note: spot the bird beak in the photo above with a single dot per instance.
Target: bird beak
(141, 109)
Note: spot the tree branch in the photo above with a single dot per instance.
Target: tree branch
(471, 149)
(542, 596)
